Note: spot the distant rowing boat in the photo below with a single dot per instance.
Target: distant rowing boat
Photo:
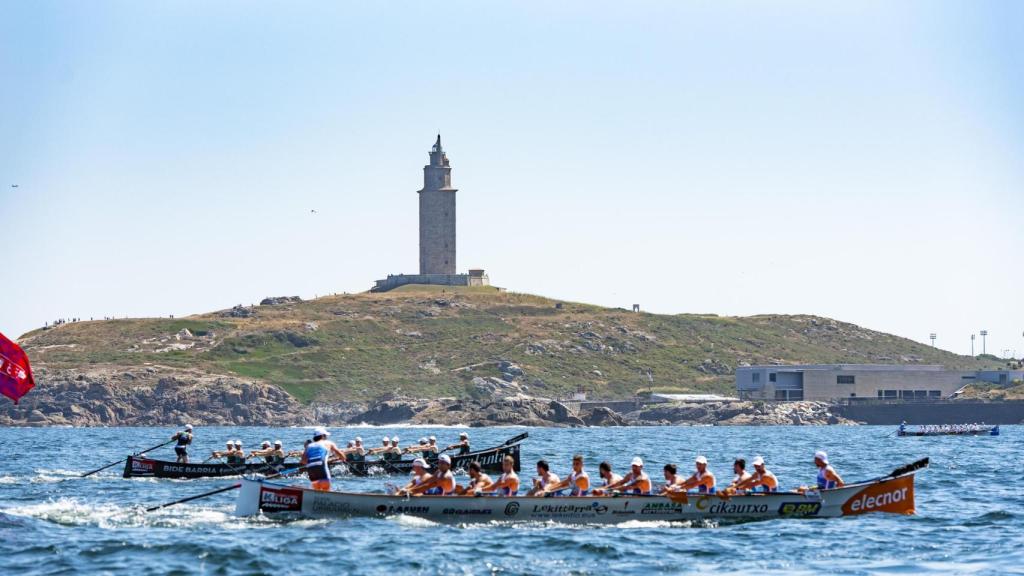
(489, 459)
(892, 493)
(981, 431)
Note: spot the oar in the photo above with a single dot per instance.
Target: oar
(91, 472)
(196, 497)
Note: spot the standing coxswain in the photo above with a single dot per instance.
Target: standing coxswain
(183, 439)
(508, 483)
(316, 459)
(578, 482)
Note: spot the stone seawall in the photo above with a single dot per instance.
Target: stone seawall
(953, 412)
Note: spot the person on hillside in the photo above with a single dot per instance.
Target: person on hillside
(577, 482)
(182, 440)
(545, 477)
(478, 480)
(316, 459)
(636, 482)
(462, 444)
(702, 479)
(508, 483)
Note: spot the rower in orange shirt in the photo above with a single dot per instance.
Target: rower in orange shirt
(702, 479)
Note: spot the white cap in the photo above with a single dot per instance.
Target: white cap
(433, 438)
(359, 438)
(230, 442)
(386, 439)
(701, 460)
(421, 463)
(463, 435)
(188, 426)
(758, 461)
(351, 443)
(238, 442)
(445, 458)
(278, 443)
(423, 440)
(637, 461)
(821, 455)
(321, 431)
(265, 443)
(394, 440)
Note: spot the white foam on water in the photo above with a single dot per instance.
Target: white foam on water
(9, 480)
(412, 521)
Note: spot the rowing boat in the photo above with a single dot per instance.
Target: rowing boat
(140, 467)
(891, 493)
(489, 459)
(981, 431)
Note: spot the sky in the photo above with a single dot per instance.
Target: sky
(862, 160)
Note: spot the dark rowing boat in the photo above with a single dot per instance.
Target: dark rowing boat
(489, 459)
(980, 431)
(139, 467)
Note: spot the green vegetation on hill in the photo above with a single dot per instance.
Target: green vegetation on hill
(432, 341)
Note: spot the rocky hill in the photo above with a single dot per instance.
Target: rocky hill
(469, 343)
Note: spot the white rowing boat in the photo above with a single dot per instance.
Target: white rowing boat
(892, 493)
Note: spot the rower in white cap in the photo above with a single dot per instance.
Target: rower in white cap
(432, 447)
(382, 448)
(441, 483)
(702, 479)
(761, 478)
(827, 476)
(462, 444)
(316, 459)
(636, 482)
(418, 479)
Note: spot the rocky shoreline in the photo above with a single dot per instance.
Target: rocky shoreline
(165, 396)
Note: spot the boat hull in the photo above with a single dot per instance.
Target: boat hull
(890, 495)
(136, 467)
(993, 431)
(490, 461)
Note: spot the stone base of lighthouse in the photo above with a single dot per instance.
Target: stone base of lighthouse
(474, 278)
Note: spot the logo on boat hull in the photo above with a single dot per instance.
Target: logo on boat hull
(392, 509)
(280, 499)
(512, 509)
(799, 508)
(142, 466)
(893, 496)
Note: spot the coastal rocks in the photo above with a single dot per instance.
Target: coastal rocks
(278, 300)
(518, 410)
(104, 397)
(603, 416)
(740, 413)
(238, 311)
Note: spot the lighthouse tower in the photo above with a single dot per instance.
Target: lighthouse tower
(437, 215)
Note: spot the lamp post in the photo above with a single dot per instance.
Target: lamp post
(972, 345)
(983, 334)
(932, 336)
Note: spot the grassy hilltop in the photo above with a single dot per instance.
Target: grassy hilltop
(429, 342)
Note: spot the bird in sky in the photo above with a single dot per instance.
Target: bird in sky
(14, 185)
(312, 211)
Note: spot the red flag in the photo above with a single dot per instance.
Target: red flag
(15, 373)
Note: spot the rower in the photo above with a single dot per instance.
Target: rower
(702, 480)
(316, 458)
(604, 470)
(183, 439)
(230, 448)
(636, 481)
(420, 448)
(419, 477)
(740, 474)
(442, 483)
(395, 452)
(761, 478)
(462, 444)
(357, 453)
(432, 448)
(578, 482)
(827, 476)
(903, 427)
(478, 480)
(672, 479)
(382, 448)
(545, 478)
(277, 456)
(264, 451)
(508, 483)
(299, 453)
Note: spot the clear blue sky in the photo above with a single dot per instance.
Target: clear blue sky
(859, 160)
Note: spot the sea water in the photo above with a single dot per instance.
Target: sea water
(970, 511)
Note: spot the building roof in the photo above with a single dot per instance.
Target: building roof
(840, 367)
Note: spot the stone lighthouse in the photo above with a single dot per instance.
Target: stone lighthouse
(437, 215)
(437, 232)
